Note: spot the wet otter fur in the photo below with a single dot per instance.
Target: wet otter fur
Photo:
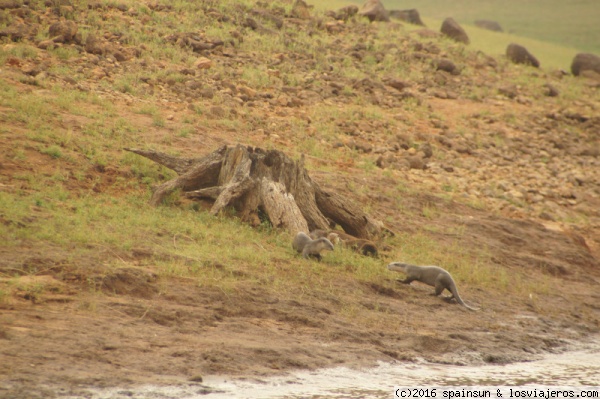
(311, 248)
(430, 275)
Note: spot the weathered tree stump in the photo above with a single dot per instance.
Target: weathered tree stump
(253, 180)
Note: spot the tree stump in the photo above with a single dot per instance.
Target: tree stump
(254, 180)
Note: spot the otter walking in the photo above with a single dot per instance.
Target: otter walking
(307, 247)
(430, 275)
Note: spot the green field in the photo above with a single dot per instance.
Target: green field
(566, 23)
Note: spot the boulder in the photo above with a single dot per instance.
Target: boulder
(489, 25)
(454, 31)
(95, 45)
(519, 55)
(585, 62)
(411, 16)
(63, 31)
(444, 64)
(300, 10)
(375, 11)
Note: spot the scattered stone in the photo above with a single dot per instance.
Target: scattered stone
(10, 4)
(345, 13)
(550, 90)
(46, 44)
(300, 10)
(94, 45)
(489, 25)
(19, 31)
(444, 64)
(396, 83)
(203, 63)
(520, 55)
(416, 162)
(63, 31)
(195, 41)
(454, 31)
(585, 62)
(411, 16)
(375, 11)
(426, 149)
(510, 91)
(218, 112)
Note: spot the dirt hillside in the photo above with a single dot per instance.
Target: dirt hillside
(487, 168)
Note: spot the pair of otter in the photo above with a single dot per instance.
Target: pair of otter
(431, 275)
(360, 245)
(320, 240)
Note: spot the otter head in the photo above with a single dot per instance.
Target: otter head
(397, 267)
(328, 244)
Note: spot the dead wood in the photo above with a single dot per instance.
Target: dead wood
(252, 181)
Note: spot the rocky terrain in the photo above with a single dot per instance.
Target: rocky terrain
(473, 152)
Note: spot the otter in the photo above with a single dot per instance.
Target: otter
(311, 248)
(430, 275)
(359, 245)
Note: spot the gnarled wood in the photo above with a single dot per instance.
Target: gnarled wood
(253, 179)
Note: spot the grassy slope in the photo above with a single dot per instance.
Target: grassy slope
(76, 136)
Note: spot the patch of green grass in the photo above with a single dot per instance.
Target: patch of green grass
(54, 151)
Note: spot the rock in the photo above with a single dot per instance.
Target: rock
(427, 150)
(120, 56)
(519, 55)
(46, 44)
(251, 23)
(550, 90)
(416, 162)
(585, 62)
(94, 45)
(19, 31)
(375, 11)
(345, 13)
(396, 83)
(300, 10)
(444, 64)
(592, 75)
(10, 4)
(217, 112)
(63, 31)
(411, 16)
(489, 25)
(203, 63)
(454, 31)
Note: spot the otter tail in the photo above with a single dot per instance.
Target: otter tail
(459, 299)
